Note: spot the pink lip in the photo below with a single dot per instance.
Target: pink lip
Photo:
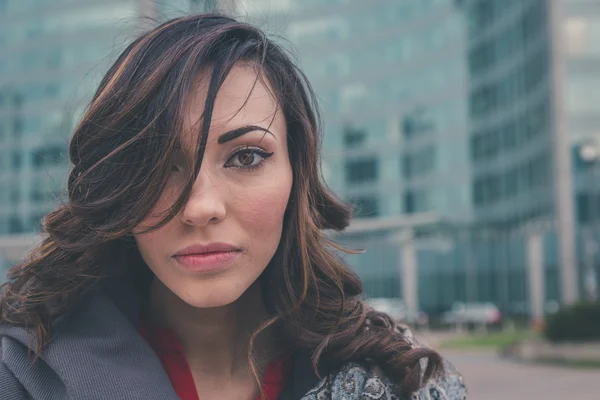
(207, 258)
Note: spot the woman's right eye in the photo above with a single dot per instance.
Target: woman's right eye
(175, 168)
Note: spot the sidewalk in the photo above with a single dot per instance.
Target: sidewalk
(490, 377)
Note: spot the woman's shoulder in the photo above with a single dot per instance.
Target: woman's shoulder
(94, 346)
(357, 381)
(366, 380)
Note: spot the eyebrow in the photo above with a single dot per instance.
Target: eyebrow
(236, 133)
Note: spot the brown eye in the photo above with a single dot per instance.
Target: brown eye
(247, 158)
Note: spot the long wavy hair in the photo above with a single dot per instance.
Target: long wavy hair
(121, 152)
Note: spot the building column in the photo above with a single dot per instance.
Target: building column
(408, 274)
(535, 272)
(563, 173)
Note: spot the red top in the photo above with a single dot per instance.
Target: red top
(166, 345)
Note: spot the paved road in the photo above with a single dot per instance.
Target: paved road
(489, 377)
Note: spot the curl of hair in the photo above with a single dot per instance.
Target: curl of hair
(121, 153)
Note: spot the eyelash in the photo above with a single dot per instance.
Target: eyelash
(252, 151)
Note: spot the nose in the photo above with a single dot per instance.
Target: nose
(206, 204)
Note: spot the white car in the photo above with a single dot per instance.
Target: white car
(472, 313)
(396, 309)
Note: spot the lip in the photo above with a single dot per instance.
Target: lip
(207, 258)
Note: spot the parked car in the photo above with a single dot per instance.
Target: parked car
(396, 309)
(472, 315)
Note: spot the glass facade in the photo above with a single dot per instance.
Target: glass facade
(510, 110)
(511, 157)
(431, 107)
(52, 55)
(515, 114)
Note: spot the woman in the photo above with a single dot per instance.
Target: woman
(190, 261)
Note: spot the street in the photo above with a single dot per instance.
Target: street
(488, 377)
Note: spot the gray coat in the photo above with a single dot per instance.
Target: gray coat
(97, 353)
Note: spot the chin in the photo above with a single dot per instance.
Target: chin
(210, 302)
(211, 294)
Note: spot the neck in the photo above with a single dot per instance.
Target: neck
(215, 340)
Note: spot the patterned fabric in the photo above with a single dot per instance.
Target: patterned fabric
(364, 381)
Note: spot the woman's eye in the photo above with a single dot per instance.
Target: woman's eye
(247, 158)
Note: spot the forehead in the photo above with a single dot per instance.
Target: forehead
(244, 98)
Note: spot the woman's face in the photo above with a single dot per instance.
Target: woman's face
(226, 234)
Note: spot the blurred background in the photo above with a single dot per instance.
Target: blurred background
(466, 133)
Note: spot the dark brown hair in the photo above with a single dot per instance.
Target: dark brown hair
(121, 153)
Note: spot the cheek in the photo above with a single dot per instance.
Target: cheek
(261, 211)
(150, 244)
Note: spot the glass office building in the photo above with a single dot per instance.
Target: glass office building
(510, 109)
(447, 122)
(51, 57)
(534, 108)
(512, 145)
